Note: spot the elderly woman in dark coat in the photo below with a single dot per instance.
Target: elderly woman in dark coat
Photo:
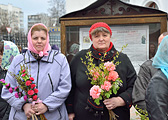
(100, 34)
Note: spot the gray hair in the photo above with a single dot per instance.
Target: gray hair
(99, 29)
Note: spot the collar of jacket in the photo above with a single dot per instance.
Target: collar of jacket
(97, 55)
(29, 58)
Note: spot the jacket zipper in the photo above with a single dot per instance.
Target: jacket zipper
(51, 82)
(38, 73)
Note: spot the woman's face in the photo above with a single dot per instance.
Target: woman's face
(152, 48)
(39, 40)
(101, 41)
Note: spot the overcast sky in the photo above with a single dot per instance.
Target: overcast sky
(29, 7)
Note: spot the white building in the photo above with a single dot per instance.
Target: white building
(38, 18)
(14, 15)
(157, 4)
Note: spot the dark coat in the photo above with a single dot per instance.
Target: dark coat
(77, 100)
(157, 97)
(146, 72)
(4, 106)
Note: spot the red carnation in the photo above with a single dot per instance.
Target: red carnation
(30, 92)
(28, 83)
(23, 71)
(32, 86)
(23, 74)
(35, 90)
(35, 97)
(31, 78)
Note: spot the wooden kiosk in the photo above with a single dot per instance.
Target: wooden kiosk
(139, 27)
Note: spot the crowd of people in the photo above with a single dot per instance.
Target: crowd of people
(64, 88)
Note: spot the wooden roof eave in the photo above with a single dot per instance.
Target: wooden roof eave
(133, 19)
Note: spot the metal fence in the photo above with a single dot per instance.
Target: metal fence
(21, 39)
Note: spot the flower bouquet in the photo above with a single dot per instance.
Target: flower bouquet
(26, 88)
(104, 78)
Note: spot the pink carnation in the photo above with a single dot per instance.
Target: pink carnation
(8, 85)
(96, 74)
(16, 95)
(10, 90)
(109, 66)
(16, 88)
(94, 78)
(92, 71)
(113, 75)
(30, 99)
(23, 74)
(23, 71)
(95, 91)
(2, 80)
(25, 97)
(106, 86)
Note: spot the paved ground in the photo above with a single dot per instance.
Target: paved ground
(133, 114)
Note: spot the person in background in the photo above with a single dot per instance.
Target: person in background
(8, 50)
(100, 34)
(157, 90)
(72, 51)
(146, 72)
(152, 50)
(51, 74)
(54, 47)
(20, 48)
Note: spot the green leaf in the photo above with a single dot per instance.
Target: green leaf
(107, 95)
(97, 101)
(114, 91)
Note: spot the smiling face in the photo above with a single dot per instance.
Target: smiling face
(39, 40)
(101, 40)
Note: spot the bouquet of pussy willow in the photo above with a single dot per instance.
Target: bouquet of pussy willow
(104, 78)
(26, 88)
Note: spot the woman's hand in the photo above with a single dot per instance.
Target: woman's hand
(114, 102)
(28, 110)
(71, 116)
(39, 108)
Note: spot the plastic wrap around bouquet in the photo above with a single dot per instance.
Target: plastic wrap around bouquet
(26, 88)
(104, 78)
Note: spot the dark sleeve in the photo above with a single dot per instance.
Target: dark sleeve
(128, 79)
(70, 99)
(7, 112)
(157, 97)
(139, 89)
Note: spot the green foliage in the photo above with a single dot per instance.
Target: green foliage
(143, 114)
